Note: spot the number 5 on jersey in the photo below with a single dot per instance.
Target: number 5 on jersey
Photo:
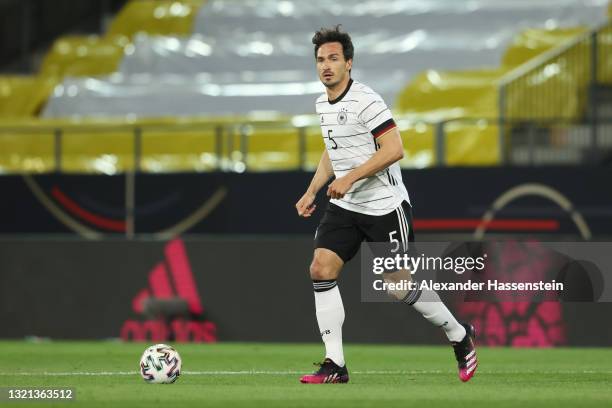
(335, 146)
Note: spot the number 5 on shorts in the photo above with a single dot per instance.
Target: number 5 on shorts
(396, 241)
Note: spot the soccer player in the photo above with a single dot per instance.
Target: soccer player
(368, 201)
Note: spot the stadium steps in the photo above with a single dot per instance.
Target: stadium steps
(229, 57)
(92, 55)
(86, 56)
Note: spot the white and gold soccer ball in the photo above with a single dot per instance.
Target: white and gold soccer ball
(160, 364)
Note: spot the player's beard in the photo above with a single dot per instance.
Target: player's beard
(333, 83)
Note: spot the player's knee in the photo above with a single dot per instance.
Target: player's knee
(321, 271)
(398, 281)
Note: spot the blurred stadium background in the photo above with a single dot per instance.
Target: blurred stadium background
(151, 153)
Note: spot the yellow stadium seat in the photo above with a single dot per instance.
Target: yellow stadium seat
(442, 95)
(26, 151)
(314, 148)
(101, 150)
(155, 17)
(272, 149)
(557, 89)
(24, 96)
(535, 41)
(166, 150)
(84, 56)
(94, 55)
(472, 144)
(604, 68)
(418, 140)
(437, 96)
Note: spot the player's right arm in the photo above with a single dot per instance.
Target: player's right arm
(305, 206)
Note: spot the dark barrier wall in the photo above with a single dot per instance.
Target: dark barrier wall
(552, 200)
(240, 290)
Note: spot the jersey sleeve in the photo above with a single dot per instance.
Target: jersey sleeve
(376, 116)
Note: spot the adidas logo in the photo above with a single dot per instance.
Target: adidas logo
(170, 279)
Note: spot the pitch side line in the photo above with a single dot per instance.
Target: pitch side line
(390, 372)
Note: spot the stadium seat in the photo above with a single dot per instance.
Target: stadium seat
(314, 148)
(155, 17)
(27, 150)
(179, 150)
(555, 90)
(103, 150)
(87, 56)
(272, 149)
(419, 145)
(439, 95)
(535, 41)
(24, 96)
(604, 70)
(472, 144)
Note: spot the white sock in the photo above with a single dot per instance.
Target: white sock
(429, 304)
(330, 316)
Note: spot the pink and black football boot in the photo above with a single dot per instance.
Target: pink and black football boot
(328, 373)
(465, 352)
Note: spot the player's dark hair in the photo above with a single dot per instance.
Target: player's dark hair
(328, 35)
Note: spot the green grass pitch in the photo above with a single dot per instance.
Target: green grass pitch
(104, 374)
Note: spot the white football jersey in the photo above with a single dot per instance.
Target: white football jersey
(350, 125)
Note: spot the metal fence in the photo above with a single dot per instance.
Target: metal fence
(560, 142)
(111, 149)
(272, 146)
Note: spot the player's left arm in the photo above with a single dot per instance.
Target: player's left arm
(391, 150)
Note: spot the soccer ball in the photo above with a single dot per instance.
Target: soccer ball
(160, 364)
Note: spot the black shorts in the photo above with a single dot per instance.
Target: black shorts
(343, 231)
